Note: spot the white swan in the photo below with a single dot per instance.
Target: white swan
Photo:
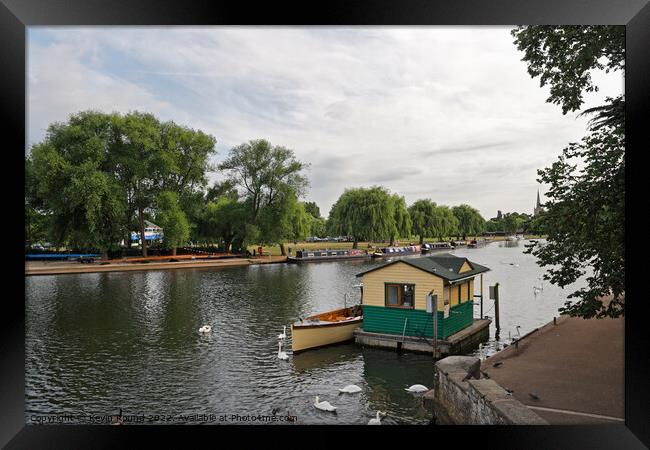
(281, 354)
(324, 406)
(205, 329)
(376, 420)
(417, 388)
(350, 389)
(283, 335)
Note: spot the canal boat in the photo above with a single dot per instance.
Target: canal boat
(331, 327)
(327, 255)
(426, 248)
(476, 243)
(386, 252)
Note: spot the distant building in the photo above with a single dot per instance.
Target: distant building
(499, 215)
(538, 206)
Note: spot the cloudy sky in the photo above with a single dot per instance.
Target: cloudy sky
(447, 113)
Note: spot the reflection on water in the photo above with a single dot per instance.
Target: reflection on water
(99, 342)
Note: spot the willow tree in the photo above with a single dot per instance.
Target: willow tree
(402, 219)
(470, 221)
(421, 213)
(443, 222)
(364, 214)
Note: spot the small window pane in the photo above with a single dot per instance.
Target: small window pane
(393, 296)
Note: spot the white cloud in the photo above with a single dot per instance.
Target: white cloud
(448, 113)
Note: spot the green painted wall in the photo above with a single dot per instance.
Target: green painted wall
(378, 319)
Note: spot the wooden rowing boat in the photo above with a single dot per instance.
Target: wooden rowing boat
(326, 328)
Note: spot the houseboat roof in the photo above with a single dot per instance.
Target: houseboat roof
(445, 266)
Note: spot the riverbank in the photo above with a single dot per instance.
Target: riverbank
(68, 267)
(275, 250)
(568, 372)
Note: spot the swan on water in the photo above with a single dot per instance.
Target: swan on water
(281, 354)
(417, 388)
(350, 389)
(205, 329)
(283, 335)
(324, 406)
(376, 420)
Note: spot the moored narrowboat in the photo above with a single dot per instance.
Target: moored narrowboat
(429, 247)
(327, 255)
(397, 251)
(331, 327)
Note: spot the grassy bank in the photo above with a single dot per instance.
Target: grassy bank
(275, 249)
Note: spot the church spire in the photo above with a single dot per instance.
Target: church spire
(538, 206)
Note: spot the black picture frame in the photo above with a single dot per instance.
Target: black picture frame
(16, 15)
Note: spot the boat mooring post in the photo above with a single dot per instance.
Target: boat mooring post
(481, 316)
(496, 308)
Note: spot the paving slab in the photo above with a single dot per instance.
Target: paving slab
(575, 367)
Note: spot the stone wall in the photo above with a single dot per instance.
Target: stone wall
(475, 401)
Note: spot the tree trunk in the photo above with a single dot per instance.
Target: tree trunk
(282, 250)
(392, 241)
(104, 255)
(174, 250)
(355, 244)
(142, 237)
(421, 239)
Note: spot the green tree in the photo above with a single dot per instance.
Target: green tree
(313, 209)
(224, 221)
(584, 218)
(172, 219)
(470, 221)
(364, 214)
(564, 57)
(263, 172)
(422, 212)
(402, 220)
(270, 178)
(70, 178)
(151, 157)
(444, 222)
(318, 227)
(510, 223)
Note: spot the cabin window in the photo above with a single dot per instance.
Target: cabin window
(400, 295)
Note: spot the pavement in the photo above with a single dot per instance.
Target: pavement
(574, 367)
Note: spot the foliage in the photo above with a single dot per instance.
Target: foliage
(172, 220)
(98, 175)
(313, 209)
(366, 214)
(563, 56)
(584, 217)
(470, 221)
(223, 220)
(444, 222)
(263, 173)
(401, 225)
(585, 223)
(422, 213)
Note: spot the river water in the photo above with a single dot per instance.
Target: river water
(96, 343)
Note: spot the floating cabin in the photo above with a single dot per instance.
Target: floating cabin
(394, 296)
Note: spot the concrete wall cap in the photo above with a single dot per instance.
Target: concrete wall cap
(457, 364)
